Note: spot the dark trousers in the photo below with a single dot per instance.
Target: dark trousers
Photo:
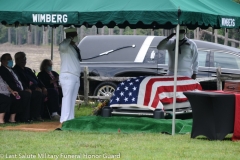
(5, 103)
(53, 100)
(24, 106)
(15, 105)
(36, 105)
(60, 96)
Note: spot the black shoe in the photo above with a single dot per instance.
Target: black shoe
(39, 119)
(12, 122)
(28, 121)
(58, 129)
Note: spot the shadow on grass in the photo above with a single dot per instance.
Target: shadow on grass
(83, 110)
(227, 138)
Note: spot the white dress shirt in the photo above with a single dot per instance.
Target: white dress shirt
(69, 58)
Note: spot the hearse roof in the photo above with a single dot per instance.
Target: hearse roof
(128, 46)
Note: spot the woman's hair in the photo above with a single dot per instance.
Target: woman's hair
(44, 63)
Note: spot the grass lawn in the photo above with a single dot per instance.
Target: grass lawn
(78, 145)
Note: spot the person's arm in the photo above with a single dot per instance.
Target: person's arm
(19, 73)
(64, 45)
(195, 61)
(32, 74)
(43, 79)
(14, 93)
(165, 42)
(56, 75)
(8, 78)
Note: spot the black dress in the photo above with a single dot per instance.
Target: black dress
(45, 79)
(22, 106)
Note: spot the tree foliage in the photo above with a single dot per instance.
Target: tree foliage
(238, 1)
(20, 35)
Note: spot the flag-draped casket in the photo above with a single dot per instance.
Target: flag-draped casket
(152, 91)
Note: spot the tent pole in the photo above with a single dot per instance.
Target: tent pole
(175, 80)
(52, 45)
(212, 34)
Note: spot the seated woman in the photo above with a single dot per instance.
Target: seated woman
(7, 102)
(50, 80)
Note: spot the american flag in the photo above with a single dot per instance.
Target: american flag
(151, 92)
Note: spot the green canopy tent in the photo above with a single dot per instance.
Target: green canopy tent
(136, 14)
(152, 14)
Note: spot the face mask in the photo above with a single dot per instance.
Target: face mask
(75, 39)
(10, 64)
(181, 36)
(49, 69)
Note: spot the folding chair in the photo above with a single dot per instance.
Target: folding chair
(46, 113)
(78, 101)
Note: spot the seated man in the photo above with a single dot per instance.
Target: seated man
(39, 92)
(13, 82)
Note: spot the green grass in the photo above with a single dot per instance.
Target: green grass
(84, 110)
(141, 146)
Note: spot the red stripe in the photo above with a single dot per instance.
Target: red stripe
(180, 88)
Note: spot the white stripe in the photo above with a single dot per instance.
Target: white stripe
(142, 89)
(143, 50)
(134, 105)
(170, 95)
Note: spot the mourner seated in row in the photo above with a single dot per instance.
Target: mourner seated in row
(9, 102)
(15, 84)
(50, 80)
(28, 77)
(30, 83)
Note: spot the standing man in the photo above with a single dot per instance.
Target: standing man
(187, 57)
(70, 73)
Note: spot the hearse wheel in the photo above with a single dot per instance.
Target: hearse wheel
(105, 89)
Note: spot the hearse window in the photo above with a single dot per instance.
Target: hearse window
(226, 60)
(162, 57)
(202, 58)
(151, 56)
